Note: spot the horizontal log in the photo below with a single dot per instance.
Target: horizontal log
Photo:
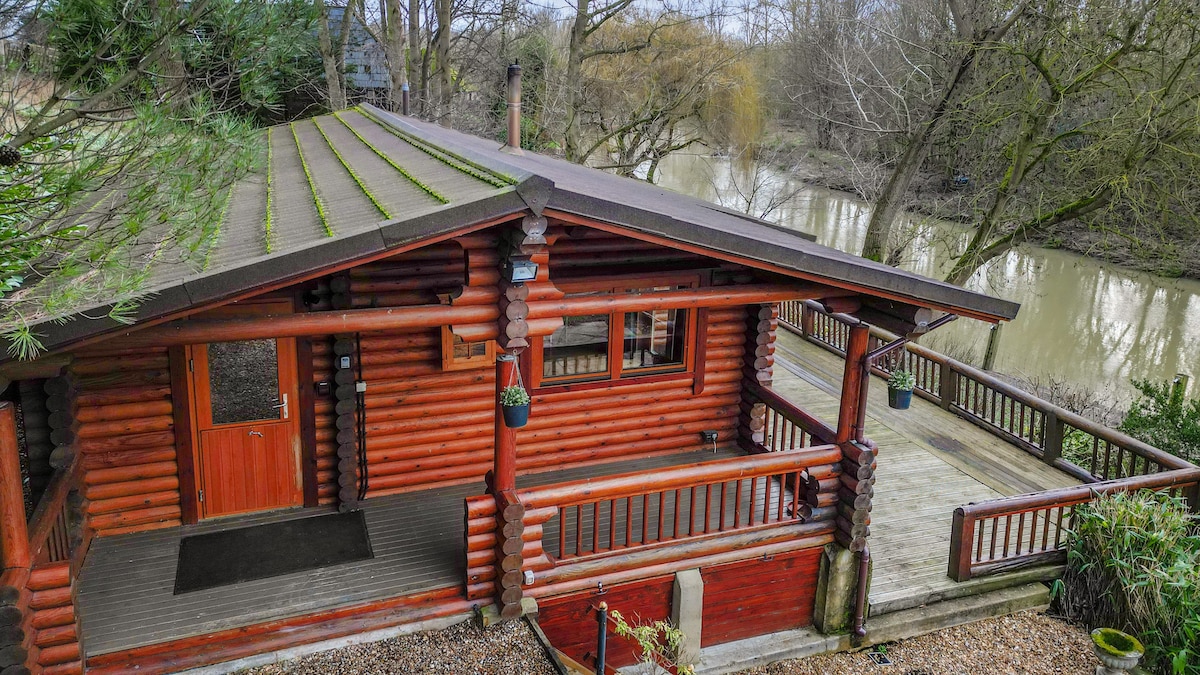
(121, 396)
(135, 517)
(58, 635)
(93, 461)
(153, 499)
(52, 618)
(305, 324)
(715, 296)
(50, 598)
(124, 427)
(45, 577)
(130, 473)
(52, 656)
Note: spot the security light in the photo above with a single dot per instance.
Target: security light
(518, 271)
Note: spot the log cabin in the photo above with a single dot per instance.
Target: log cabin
(321, 397)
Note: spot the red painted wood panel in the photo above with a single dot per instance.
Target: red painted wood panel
(757, 597)
(570, 621)
(249, 468)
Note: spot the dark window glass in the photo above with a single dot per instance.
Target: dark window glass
(243, 379)
(579, 348)
(653, 339)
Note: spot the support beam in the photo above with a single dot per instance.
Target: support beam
(14, 532)
(504, 471)
(852, 383)
(305, 324)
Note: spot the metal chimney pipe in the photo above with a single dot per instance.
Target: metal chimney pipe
(404, 99)
(513, 145)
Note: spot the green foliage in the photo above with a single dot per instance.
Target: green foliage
(659, 642)
(1133, 563)
(1163, 418)
(902, 380)
(514, 395)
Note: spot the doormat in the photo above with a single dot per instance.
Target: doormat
(271, 550)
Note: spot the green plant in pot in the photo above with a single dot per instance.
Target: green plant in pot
(514, 403)
(900, 389)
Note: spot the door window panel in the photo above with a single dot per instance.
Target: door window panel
(243, 381)
(579, 347)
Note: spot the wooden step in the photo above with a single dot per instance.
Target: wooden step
(58, 635)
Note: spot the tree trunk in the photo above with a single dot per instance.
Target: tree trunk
(394, 49)
(571, 97)
(335, 93)
(414, 49)
(445, 81)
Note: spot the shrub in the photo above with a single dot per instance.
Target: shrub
(1133, 563)
(1162, 418)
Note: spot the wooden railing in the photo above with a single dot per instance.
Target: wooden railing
(738, 508)
(55, 528)
(1001, 535)
(1005, 533)
(785, 425)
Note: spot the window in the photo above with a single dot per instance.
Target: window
(617, 346)
(458, 354)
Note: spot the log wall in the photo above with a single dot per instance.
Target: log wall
(125, 436)
(53, 621)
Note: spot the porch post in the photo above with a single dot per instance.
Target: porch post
(14, 532)
(853, 387)
(504, 470)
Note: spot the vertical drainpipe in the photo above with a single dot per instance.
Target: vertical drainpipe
(513, 145)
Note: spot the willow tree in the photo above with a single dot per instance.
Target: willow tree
(121, 127)
(1097, 108)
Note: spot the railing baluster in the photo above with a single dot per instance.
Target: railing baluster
(612, 524)
(737, 505)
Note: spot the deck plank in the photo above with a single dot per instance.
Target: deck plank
(930, 462)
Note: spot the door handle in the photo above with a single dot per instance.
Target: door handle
(284, 406)
(256, 433)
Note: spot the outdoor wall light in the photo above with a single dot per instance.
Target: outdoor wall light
(518, 271)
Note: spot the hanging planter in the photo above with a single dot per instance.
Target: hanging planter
(514, 403)
(900, 389)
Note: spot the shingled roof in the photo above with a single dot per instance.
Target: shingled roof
(344, 186)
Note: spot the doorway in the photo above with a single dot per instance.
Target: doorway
(246, 421)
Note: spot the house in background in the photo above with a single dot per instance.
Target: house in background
(327, 388)
(367, 79)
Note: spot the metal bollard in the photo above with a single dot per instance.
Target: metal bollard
(601, 636)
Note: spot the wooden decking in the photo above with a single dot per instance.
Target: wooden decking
(930, 462)
(125, 597)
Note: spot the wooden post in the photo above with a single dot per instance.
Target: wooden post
(14, 532)
(504, 471)
(1052, 440)
(947, 385)
(806, 320)
(962, 538)
(852, 389)
(993, 346)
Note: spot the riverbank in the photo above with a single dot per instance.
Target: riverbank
(1169, 251)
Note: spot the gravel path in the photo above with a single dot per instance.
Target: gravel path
(1022, 644)
(465, 649)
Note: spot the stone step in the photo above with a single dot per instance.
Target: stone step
(795, 644)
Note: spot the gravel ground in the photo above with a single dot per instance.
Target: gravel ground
(465, 649)
(1022, 644)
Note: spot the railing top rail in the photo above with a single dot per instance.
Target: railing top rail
(819, 430)
(45, 514)
(1078, 494)
(1100, 431)
(700, 473)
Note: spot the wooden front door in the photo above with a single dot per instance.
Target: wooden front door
(247, 435)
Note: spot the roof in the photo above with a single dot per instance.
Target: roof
(357, 183)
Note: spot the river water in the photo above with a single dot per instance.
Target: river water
(1083, 323)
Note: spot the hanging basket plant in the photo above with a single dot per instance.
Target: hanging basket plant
(514, 403)
(900, 389)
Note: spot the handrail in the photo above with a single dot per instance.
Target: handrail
(50, 536)
(1019, 417)
(636, 483)
(983, 539)
(784, 419)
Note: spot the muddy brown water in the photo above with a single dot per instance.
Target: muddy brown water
(1083, 322)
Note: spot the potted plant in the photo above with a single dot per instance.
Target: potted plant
(1118, 651)
(900, 388)
(514, 403)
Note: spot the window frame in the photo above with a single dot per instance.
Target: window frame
(617, 374)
